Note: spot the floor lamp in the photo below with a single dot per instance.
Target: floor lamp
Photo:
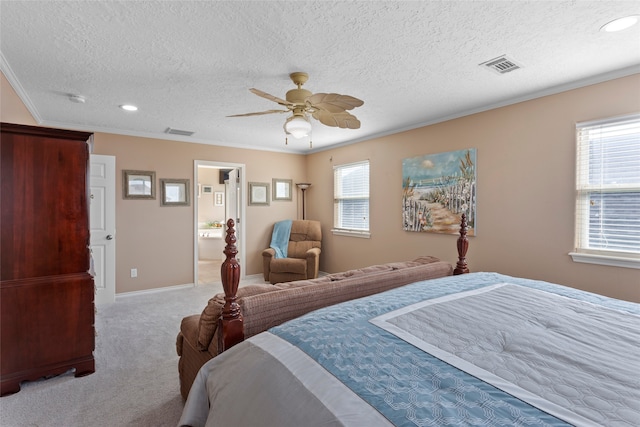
(303, 186)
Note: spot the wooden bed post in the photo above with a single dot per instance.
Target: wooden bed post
(463, 245)
(230, 323)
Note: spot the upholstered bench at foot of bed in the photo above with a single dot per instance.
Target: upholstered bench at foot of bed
(264, 306)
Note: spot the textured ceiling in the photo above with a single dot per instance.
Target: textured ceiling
(189, 64)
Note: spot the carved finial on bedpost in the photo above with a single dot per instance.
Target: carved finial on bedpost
(230, 323)
(463, 245)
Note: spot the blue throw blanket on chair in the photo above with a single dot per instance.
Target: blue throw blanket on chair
(280, 237)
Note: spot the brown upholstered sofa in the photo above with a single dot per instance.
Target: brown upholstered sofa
(303, 254)
(264, 305)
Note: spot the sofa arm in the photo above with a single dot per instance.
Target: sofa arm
(267, 256)
(313, 262)
(188, 331)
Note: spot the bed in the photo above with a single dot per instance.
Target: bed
(475, 349)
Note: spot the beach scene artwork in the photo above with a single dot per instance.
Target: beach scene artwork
(437, 189)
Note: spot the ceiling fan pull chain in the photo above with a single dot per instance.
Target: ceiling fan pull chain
(286, 141)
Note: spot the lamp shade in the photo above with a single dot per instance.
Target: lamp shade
(298, 126)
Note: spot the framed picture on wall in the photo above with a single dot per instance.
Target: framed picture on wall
(218, 198)
(282, 189)
(138, 184)
(259, 193)
(437, 189)
(175, 192)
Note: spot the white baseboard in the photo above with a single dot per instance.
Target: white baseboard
(153, 291)
(252, 278)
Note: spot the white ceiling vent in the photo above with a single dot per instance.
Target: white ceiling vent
(172, 131)
(501, 65)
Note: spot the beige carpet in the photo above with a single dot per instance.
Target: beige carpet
(136, 378)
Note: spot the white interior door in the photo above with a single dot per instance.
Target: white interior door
(102, 222)
(232, 202)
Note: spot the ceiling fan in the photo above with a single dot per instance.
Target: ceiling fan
(328, 108)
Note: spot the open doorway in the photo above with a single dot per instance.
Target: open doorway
(218, 196)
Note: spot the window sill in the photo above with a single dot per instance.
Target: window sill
(612, 261)
(351, 233)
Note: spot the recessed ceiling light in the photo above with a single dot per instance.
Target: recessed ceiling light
(129, 107)
(620, 24)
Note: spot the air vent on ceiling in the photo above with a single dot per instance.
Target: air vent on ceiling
(501, 64)
(172, 131)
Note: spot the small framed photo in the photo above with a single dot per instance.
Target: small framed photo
(259, 193)
(207, 189)
(218, 198)
(281, 189)
(138, 184)
(175, 192)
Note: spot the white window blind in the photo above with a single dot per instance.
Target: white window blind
(351, 197)
(608, 187)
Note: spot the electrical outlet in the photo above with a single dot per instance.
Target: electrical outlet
(134, 272)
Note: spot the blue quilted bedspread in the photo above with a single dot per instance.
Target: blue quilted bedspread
(410, 387)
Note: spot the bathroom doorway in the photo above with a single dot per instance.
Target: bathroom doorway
(218, 196)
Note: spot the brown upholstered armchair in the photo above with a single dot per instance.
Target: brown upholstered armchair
(303, 254)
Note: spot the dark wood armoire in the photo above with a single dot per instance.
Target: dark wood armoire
(46, 291)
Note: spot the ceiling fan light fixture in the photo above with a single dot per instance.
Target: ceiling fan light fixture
(330, 109)
(297, 126)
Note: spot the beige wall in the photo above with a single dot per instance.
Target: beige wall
(158, 241)
(525, 194)
(12, 110)
(525, 188)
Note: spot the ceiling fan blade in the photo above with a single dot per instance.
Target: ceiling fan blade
(333, 102)
(270, 97)
(342, 120)
(260, 113)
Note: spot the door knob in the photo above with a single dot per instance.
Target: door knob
(109, 237)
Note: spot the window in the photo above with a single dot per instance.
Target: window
(351, 199)
(608, 192)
